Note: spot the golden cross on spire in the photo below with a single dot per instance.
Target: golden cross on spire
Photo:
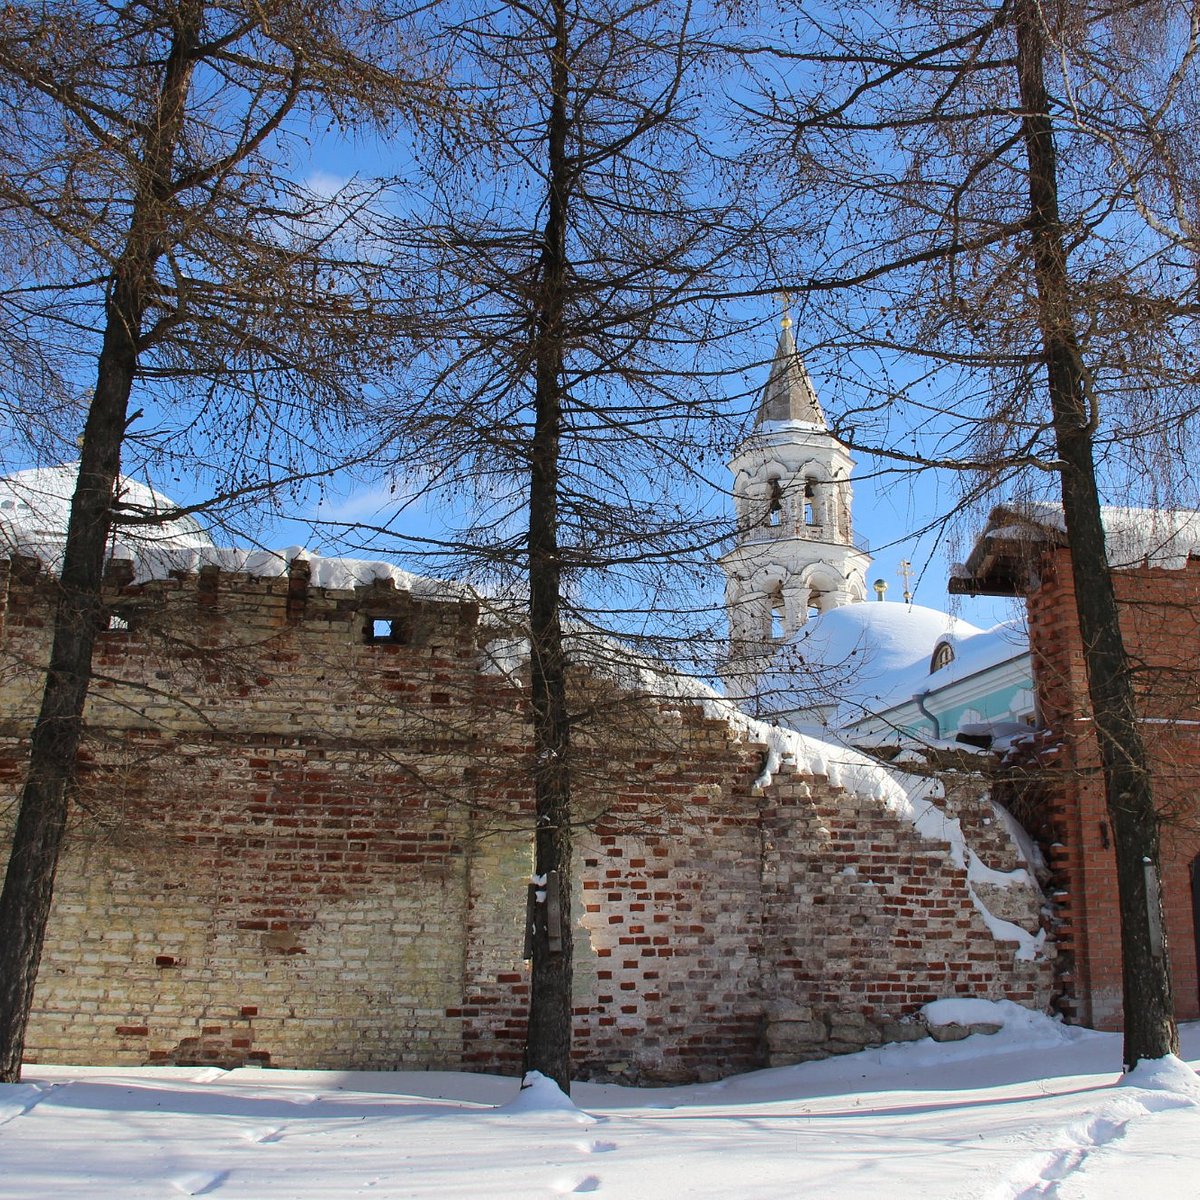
(906, 572)
(785, 301)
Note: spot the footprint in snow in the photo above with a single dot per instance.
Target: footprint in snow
(263, 1136)
(573, 1184)
(209, 1075)
(22, 1098)
(199, 1183)
(596, 1147)
(1078, 1143)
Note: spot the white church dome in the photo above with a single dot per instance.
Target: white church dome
(35, 506)
(852, 659)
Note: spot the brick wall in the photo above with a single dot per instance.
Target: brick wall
(300, 847)
(1160, 621)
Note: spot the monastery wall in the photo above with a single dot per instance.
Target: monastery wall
(299, 844)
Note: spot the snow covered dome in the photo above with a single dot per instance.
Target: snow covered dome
(35, 505)
(853, 659)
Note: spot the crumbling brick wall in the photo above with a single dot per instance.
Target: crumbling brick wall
(302, 839)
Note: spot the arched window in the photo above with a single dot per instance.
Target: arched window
(810, 502)
(778, 614)
(943, 656)
(774, 502)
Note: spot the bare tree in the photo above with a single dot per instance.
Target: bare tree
(1011, 196)
(156, 239)
(580, 245)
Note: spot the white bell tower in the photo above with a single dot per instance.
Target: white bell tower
(795, 553)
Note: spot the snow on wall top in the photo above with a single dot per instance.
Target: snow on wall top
(811, 755)
(35, 506)
(910, 797)
(344, 574)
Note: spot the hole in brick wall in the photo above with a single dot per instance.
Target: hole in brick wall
(415, 628)
(396, 630)
(117, 623)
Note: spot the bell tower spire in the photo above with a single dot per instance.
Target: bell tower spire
(795, 552)
(789, 394)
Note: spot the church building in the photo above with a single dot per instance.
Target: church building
(805, 645)
(795, 554)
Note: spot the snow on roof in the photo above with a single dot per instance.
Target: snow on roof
(859, 657)
(790, 426)
(1157, 537)
(35, 506)
(975, 650)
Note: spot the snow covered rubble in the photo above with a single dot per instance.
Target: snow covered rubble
(1037, 1110)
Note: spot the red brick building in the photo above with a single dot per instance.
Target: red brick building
(1156, 556)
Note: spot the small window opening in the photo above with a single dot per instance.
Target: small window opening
(775, 504)
(7, 504)
(117, 623)
(387, 629)
(778, 625)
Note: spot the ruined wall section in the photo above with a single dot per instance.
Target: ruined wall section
(673, 910)
(267, 861)
(665, 909)
(302, 840)
(868, 919)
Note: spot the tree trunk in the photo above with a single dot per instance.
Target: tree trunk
(42, 816)
(1150, 1030)
(548, 1038)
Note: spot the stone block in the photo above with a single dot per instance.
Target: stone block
(949, 1033)
(783, 1035)
(904, 1031)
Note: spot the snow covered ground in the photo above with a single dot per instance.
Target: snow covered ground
(1036, 1110)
